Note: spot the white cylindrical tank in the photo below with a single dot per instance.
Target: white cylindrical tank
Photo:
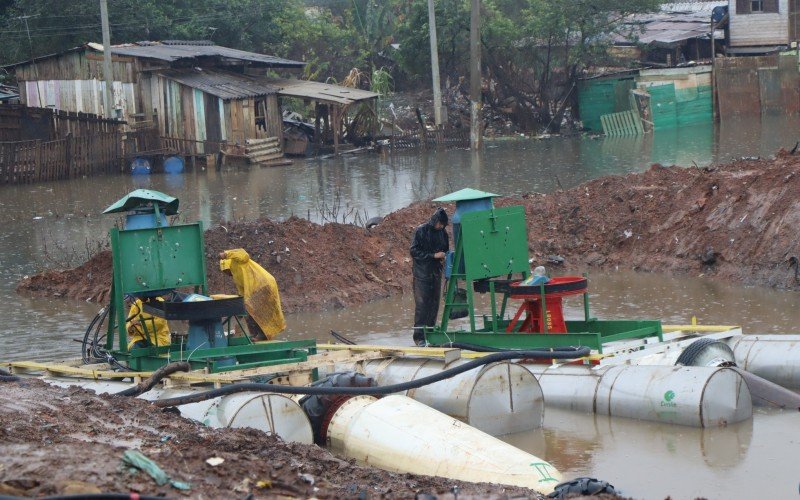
(684, 395)
(399, 434)
(773, 357)
(272, 413)
(499, 398)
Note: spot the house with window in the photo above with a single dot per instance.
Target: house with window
(762, 26)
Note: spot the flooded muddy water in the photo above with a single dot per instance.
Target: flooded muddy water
(56, 224)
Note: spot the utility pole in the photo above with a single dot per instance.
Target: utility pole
(33, 61)
(714, 110)
(475, 139)
(437, 88)
(107, 72)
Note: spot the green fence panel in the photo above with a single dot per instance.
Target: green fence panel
(663, 106)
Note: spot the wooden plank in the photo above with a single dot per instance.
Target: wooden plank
(262, 152)
(278, 162)
(258, 142)
(271, 156)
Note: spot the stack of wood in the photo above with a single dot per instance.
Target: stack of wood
(263, 151)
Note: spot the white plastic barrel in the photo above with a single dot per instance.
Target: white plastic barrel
(272, 413)
(399, 434)
(684, 395)
(499, 398)
(773, 357)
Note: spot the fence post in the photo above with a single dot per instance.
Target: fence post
(37, 162)
(68, 153)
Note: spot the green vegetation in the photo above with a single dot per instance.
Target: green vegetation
(533, 50)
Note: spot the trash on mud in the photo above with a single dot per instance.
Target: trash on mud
(137, 460)
(141, 462)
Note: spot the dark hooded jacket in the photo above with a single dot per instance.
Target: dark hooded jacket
(427, 241)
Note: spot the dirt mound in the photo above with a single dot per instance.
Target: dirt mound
(317, 266)
(737, 221)
(70, 441)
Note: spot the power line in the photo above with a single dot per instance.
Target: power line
(98, 25)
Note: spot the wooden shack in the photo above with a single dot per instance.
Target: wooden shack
(189, 91)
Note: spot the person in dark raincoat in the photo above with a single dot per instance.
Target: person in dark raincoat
(428, 250)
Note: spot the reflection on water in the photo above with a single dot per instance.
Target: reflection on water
(46, 224)
(752, 459)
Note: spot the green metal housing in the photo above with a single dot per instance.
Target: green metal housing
(493, 244)
(153, 262)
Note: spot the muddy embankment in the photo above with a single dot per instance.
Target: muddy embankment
(738, 222)
(70, 442)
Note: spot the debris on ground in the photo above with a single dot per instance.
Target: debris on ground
(70, 441)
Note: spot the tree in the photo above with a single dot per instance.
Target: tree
(537, 49)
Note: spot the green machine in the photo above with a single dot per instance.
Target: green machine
(163, 267)
(491, 259)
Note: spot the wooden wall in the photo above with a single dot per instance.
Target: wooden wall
(187, 113)
(758, 28)
(81, 96)
(79, 65)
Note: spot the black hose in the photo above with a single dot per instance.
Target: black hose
(89, 347)
(374, 391)
(156, 377)
(341, 338)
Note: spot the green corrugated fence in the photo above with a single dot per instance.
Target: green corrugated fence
(670, 107)
(675, 107)
(601, 97)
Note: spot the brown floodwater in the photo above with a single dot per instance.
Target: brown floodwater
(53, 224)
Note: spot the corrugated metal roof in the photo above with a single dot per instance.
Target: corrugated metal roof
(675, 23)
(175, 50)
(172, 50)
(222, 84)
(323, 92)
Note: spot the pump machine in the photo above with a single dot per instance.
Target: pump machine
(164, 266)
(491, 257)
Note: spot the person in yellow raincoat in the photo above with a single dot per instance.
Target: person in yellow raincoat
(144, 329)
(259, 289)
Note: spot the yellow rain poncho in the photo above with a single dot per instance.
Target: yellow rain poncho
(157, 328)
(259, 289)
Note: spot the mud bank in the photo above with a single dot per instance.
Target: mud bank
(736, 222)
(70, 441)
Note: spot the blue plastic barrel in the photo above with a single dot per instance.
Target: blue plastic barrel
(143, 220)
(140, 166)
(173, 165)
